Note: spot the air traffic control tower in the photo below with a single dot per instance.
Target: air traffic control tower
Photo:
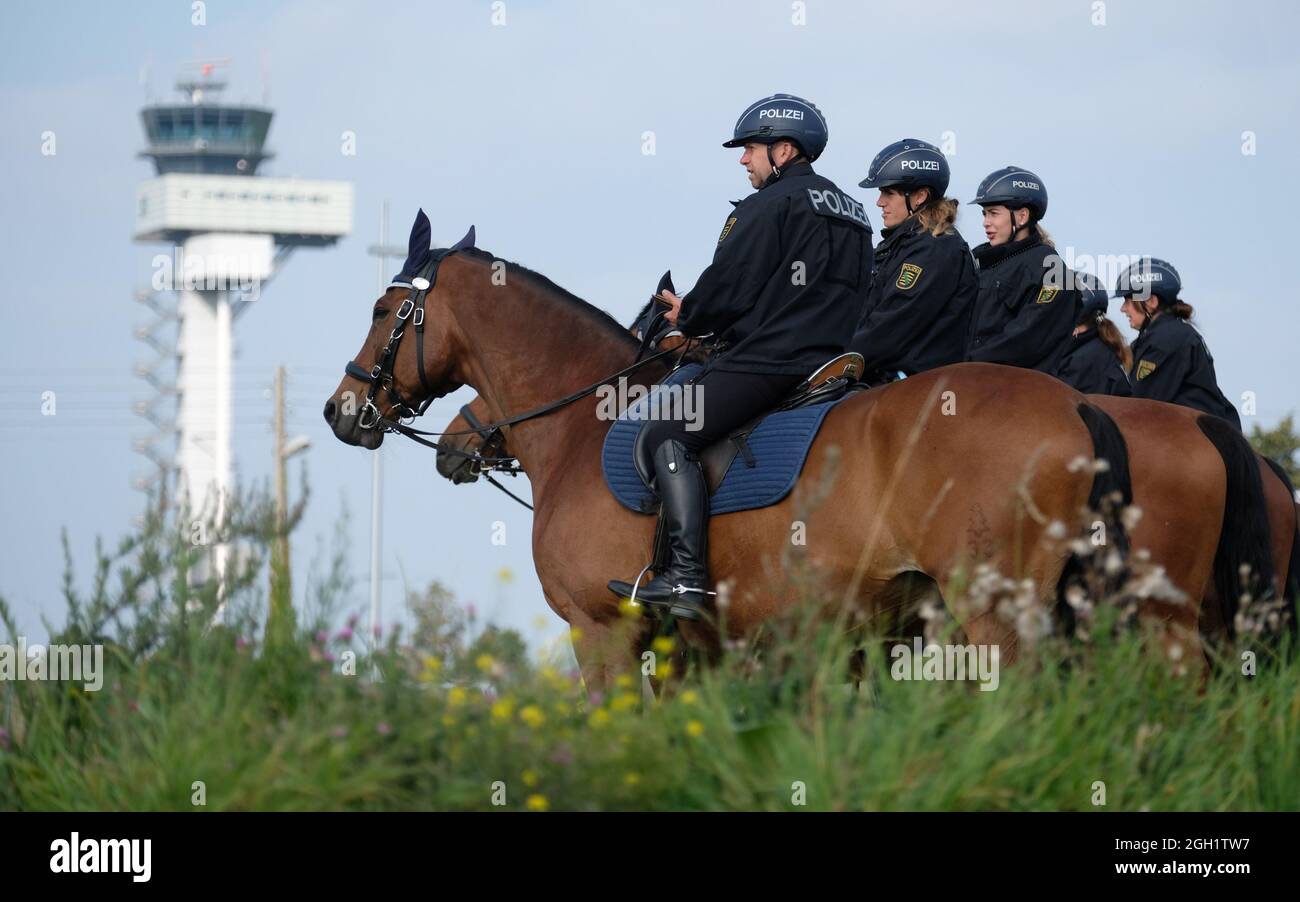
(228, 230)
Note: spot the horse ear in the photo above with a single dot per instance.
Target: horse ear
(421, 233)
(666, 283)
(467, 241)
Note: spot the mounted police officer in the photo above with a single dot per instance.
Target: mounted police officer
(1097, 358)
(923, 286)
(1026, 308)
(1170, 360)
(781, 297)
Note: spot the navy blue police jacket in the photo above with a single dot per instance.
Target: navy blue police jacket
(785, 287)
(1171, 363)
(918, 309)
(1091, 367)
(1025, 311)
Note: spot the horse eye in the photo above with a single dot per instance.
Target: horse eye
(380, 313)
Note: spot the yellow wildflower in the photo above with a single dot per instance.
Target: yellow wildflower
(503, 709)
(533, 716)
(456, 696)
(689, 697)
(663, 645)
(530, 778)
(484, 662)
(599, 718)
(694, 728)
(537, 802)
(631, 778)
(623, 701)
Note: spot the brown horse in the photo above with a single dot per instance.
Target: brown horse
(968, 463)
(1193, 537)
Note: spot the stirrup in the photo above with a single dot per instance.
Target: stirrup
(635, 584)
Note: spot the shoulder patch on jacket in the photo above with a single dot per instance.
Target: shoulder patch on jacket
(726, 229)
(908, 275)
(1046, 296)
(1145, 368)
(830, 202)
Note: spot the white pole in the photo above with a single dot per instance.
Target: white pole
(377, 476)
(222, 437)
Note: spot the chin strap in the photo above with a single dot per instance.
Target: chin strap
(776, 170)
(1029, 223)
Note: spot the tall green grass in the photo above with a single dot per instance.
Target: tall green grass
(461, 724)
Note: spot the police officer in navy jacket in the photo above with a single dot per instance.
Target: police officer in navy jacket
(781, 298)
(1096, 358)
(1170, 360)
(923, 286)
(1026, 309)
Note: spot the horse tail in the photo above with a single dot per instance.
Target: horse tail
(1290, 591)
(1112, 491)
(1244, 540)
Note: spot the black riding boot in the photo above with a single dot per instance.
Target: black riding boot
(684, 499)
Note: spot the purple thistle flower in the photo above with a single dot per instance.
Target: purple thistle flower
(322, 637)
(339, 732)
(344, 635)
(563, 755)
(383, 729)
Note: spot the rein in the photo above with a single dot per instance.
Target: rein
(380, 377)
(388, 425)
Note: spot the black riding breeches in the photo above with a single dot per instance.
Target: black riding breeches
(720, 402)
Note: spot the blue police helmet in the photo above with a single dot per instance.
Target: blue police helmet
(1149, 275)
(782, 116)
(907, 164)
(1013, 187)
(1093, 296)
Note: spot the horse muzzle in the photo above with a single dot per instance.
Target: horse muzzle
(348, 428)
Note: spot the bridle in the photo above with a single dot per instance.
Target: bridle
(380, 377)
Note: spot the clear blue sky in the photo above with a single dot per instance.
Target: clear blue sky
(533, 131)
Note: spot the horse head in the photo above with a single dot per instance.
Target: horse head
(392, 379)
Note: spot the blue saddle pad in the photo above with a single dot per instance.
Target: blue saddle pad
(779, 443)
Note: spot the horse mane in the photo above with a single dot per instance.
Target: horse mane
(587, 311)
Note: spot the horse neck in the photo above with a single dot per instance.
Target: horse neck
(522, 347)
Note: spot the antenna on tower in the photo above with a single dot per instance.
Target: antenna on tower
(145, 68)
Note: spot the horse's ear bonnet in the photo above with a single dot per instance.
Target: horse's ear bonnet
(467, 241)
(418, 250)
